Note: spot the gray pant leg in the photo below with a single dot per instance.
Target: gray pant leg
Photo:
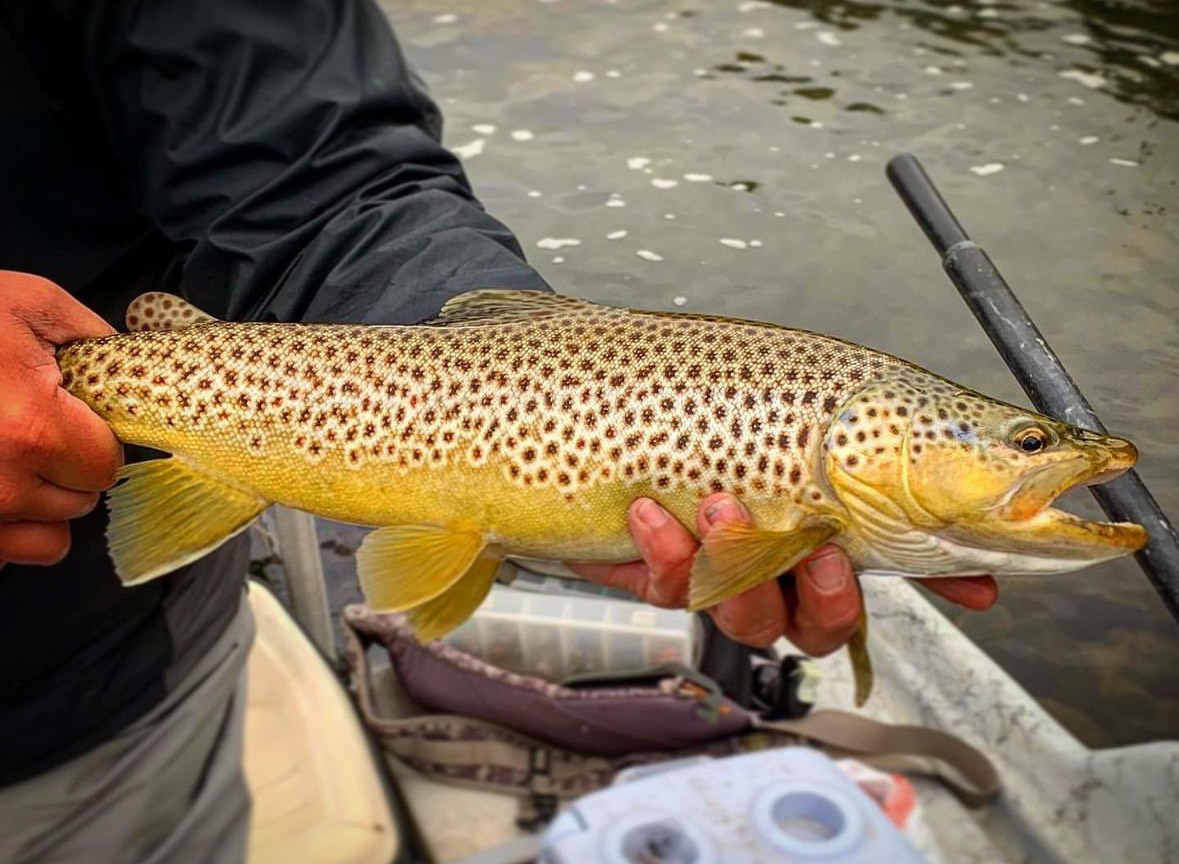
(169, 788)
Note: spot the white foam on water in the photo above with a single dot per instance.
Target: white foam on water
(1077, 39)
(806, 25)
(1023, 97)
(697, 178)
(962, 85)
(987, 169)
(534, 193)
(1171, 58)
(1126, 163)
(522, 135)
(827, 37)
(466, 151)
(754, 33)
(447, 18)
(1073, 100)
(740, 187)
(932, 70)
(613, 73)
(483, 128)
(648, 255)
(636, 163)
(679, 299)
(559, 259)
(1090, 79)
(670, 216)
(733, 243)
(664, 183)
(583, 75)
(557, 242)
(661, 27)
(755, 244)
(616, 235)
(615, 202)
(1088, 139)
(855, 157)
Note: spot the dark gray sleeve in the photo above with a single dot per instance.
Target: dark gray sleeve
(289, 149)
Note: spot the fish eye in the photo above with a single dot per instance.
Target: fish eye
(1033, 439)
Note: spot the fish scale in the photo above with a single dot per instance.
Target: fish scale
(524, 423)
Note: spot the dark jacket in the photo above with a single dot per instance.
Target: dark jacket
(269, 160)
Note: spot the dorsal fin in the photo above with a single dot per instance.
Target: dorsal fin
(159, 311)
(496, 306)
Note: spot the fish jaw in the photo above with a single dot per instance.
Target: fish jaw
(1028, 536)
(1028, 524)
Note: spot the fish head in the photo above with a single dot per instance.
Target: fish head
(971, 481)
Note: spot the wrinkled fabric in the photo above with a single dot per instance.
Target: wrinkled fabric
(268, 159)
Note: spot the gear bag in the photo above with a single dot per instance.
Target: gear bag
(519, 735)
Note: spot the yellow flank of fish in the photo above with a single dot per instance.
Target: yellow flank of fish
(524, 423)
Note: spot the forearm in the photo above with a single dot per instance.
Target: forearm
(290, 151)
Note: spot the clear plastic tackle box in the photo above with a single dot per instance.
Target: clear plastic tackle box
(558, 635)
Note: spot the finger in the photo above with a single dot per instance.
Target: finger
(48, 310)
(48, 503)
(667, 548)
(633, 576)
(829, 603)
(755, 617)
(720, 508)
(84, 454)
(974, 592)
(34, 542)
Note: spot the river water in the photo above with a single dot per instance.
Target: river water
(728, 157)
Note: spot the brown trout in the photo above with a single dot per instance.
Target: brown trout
(525, 423)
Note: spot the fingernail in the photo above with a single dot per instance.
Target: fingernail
(725, 510)
(651, 514)
(826, 573)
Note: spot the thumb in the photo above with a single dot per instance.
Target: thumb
(47, 310)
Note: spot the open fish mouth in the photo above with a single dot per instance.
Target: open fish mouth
(1039, 526)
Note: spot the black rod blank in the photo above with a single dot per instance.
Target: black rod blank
(1034, 364)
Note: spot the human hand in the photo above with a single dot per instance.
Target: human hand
(56, 455)
(818, 612)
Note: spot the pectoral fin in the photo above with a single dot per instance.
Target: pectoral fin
(448, 610)
(735, 557)
(857, 650)
(166, 513)
(403, 566)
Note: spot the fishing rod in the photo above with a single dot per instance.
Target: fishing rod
(1034, 364)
